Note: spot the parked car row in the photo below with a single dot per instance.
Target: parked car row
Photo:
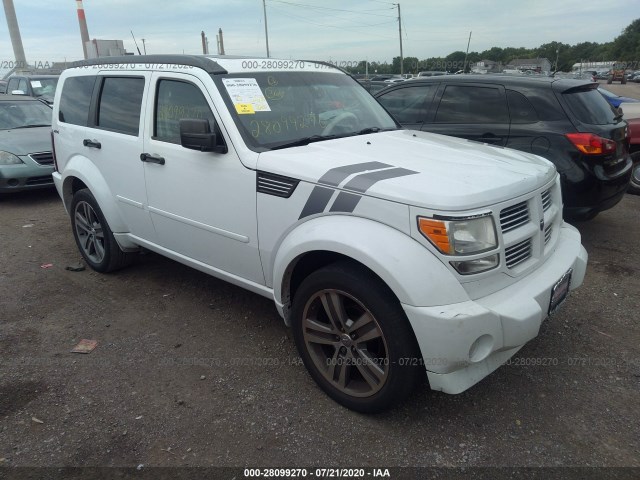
(565, 121)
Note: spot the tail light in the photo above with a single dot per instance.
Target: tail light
(53, 152)
(591, 144)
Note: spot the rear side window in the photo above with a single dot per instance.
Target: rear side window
(409, 104)
(520, 108)
(120, 104)
(75, 100)
(589, 106)
(177, 101)
(472, 104)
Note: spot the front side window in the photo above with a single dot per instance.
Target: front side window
(472, 104)
(120, 104)
(284, 108)
(22, 85)
(76, 99)
(408, 104)
(175, 101)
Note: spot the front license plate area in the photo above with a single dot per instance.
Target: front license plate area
(560, 291)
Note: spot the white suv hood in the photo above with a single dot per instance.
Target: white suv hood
(415, 168)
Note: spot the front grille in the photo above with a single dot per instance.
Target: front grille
(518, 253)
(547, 234)
(46, 180)
(45, 158)
(546, 200)
(276, 184)
(514, 216)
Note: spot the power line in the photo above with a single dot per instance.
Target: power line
(307, 6)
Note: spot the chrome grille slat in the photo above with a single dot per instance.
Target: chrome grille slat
(546, 200)
(547, 234)
(514, 216)
(518, 253)
(44, 158)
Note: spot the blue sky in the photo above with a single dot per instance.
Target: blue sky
(315, 29)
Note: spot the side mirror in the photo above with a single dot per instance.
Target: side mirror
(196, 134)
(17, 92)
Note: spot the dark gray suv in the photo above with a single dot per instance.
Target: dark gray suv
(565, 121)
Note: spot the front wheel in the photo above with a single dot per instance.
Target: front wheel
(93, 236)
(634, 185)
(355, 339)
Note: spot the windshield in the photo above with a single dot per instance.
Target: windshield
(24, 114)
(44, 86)
(279, 109)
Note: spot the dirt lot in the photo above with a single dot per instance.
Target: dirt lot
(191, 371)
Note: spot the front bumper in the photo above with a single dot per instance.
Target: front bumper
(14, 178)
(464, 342)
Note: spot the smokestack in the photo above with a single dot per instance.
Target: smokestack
(14, 33)
(204, 42)
(84, 32)
(221, 42)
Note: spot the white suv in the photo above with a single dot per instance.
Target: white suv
(389, 252)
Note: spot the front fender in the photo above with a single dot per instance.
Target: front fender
(411, 271)
(84, 170)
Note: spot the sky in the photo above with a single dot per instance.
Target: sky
(330, 30)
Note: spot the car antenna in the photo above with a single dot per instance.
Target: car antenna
(134, 41)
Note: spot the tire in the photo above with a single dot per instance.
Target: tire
(634, 185)
(363, 354)
(93, 235)
(609, 80)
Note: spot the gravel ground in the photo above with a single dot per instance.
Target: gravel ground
(191, 371)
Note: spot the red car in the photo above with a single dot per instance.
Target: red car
(634, 149)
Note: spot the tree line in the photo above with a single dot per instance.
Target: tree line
(625, 49)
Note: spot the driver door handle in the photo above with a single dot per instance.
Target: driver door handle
(146, 157)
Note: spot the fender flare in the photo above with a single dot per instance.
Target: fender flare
(414, 274)
(84, 170)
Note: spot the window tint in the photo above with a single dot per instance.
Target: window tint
(471, 104)
(590, 107)
(409, 104)
(520, 108)
(176, 101)
(75, 100)
(120, 103)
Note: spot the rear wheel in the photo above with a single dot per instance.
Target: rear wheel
(634, 185)
(354, 338)
(93, 235)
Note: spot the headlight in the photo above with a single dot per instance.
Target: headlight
(7, 158)
(466, 236)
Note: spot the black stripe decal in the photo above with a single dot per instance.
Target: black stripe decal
(362, 183)
(336, 176)
(317, 201)
(345, 202)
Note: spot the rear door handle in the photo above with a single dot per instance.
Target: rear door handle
(91, 143)
(146, 157)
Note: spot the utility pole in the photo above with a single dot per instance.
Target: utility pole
(144, 47)
(266, 32)
(400, 32)
(220, 42)
(204, 42)
(14, 33)
(464, 66)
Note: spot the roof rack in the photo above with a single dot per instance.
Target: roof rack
(198, 61)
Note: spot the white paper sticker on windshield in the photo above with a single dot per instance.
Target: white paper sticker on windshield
(36, 83)
(246, 95)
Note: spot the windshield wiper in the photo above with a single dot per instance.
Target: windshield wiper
(304, 141)
(33, 126)
(368, 130)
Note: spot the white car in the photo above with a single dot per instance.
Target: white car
(389, 252)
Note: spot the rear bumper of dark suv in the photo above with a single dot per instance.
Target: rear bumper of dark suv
(588, 191)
